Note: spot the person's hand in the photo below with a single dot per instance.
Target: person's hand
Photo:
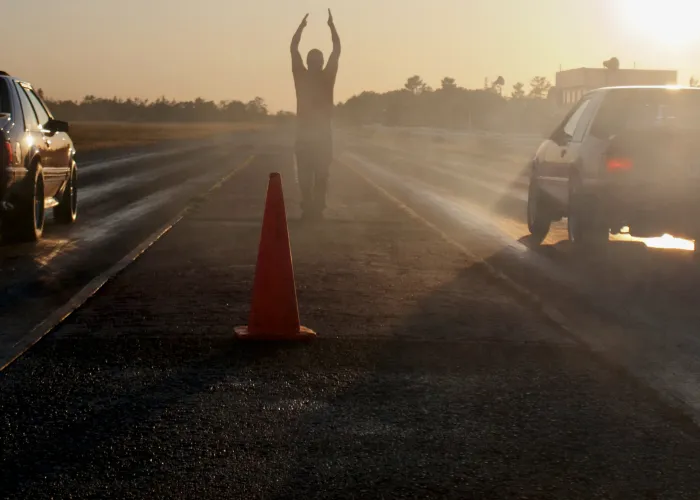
(303, 21)
(330, 18)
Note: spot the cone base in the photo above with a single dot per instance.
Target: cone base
(304, 333)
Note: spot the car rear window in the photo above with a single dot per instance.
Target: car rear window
(4, 97)
(633, 109)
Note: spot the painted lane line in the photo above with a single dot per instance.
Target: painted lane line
(55, 318)
(682, 398)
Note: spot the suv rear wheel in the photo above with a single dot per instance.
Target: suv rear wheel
(585, 225)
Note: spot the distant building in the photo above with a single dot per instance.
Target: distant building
(572, 84)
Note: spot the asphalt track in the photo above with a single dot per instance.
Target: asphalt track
(453, 360)
(123, 197)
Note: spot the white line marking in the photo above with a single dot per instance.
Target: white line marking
(59, 315)
(677, 388)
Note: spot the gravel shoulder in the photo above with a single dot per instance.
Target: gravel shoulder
(428, 379)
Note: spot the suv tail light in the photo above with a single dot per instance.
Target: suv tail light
(616, 164)
(8, 157)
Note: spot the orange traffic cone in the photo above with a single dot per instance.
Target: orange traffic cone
(274, 313)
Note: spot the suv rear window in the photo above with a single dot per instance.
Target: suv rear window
(4, 97)
(633, 109)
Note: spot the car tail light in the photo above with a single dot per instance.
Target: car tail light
(8, 156)
(618, 164)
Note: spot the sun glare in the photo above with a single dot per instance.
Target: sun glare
(669, 242)
(666, 241)
(671, 22)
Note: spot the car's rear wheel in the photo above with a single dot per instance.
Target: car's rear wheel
(539, 218)
(586, 226)
(26, 221)
(67, 210)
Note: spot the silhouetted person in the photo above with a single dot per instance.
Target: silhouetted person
(314, 142)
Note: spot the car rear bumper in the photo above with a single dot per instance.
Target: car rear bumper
(652, 210)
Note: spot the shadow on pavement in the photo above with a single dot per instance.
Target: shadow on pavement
(624, 274)
(478, 397)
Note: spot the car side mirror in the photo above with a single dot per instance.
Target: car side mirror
(560, 137)
(55, 126)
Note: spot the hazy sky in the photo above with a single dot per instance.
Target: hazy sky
(237, 49)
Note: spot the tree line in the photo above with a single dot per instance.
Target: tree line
(92, 108)
(524, 108)
(416, 104)
(532, 108)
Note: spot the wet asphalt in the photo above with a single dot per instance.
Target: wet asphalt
(124, 196)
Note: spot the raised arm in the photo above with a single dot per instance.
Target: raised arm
(297, 62)
(335, 55)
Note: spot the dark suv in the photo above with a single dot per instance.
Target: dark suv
(624, 157)
(37, 165)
